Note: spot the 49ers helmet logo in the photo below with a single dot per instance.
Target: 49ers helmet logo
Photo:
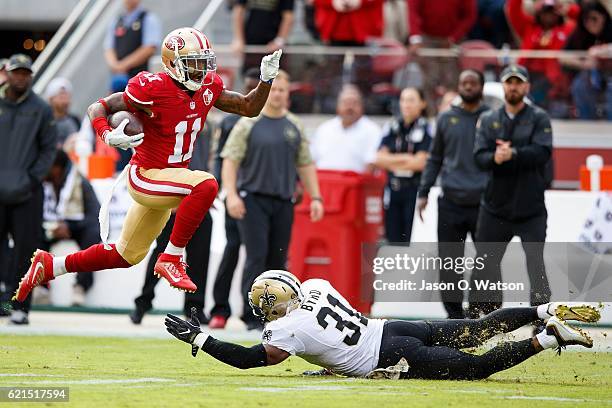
(175, 40)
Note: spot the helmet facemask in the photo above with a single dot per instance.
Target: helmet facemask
(195, 71)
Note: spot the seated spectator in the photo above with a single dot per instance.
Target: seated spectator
(266, 23)
(70, 211)
(439, 24)
(59, 96)
(592, 75)
(345, 23)
(547, 29)
(491, 24)
(350, 140)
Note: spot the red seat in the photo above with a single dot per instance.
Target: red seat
(477, 63)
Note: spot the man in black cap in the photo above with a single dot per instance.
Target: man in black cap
(513, 143)
(28, 149)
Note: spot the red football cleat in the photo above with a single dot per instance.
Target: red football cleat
(173, 269)
(40, 272)
(217, 322)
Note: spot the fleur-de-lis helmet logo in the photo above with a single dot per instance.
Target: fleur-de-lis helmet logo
(267, 298)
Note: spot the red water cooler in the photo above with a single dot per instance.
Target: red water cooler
(332, 248)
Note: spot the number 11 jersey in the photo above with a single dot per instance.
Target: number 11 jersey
(325, 330)
(174, 117)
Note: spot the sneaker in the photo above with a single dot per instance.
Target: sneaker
(78, 296)
(19, 317)
(217, 322)
(41, 271)
(137, 315)
(173, 269)
(581, 312)
(391, 372)
(567, 335)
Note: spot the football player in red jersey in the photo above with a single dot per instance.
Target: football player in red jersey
(172, 106)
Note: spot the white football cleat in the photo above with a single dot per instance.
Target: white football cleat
(567, 335)
(581, 312)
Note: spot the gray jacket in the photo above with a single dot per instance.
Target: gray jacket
(28, 134)
(451, 154)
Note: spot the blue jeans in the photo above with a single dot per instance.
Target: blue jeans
(586, 89)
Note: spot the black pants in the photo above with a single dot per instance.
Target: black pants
(454, 223)
(85, 234)
(399, 213)
(265, 231)
(198, 252)
(432, 349)
(23, 221)
(225, 274)
(492, 236)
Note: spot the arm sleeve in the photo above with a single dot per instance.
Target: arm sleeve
(484, 145)
(282, 337)
(47, 139)
(414, 17)
(142, 87)
(237, 142)
(434, 162)
(152, 31)
(287, 5)
(373, 144)
(519, 20)
(303, 156)
(236, 355)
(469, 14)
(538, 151)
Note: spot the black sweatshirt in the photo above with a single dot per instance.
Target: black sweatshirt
(28, 136)
(452, 155)
(515, 190)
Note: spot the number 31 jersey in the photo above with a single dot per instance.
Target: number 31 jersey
(328, 332)
(173, 120)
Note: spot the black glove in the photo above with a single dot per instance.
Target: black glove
(185, 331)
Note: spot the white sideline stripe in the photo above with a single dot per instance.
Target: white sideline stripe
(155, 187)
(559, 399)
(28, 375)
(104, 381)
(137, 100)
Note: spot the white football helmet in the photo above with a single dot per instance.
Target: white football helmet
(275, 293)
(188, 58)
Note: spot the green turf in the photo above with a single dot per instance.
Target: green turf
(164, 374)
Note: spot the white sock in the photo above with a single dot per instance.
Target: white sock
(543, 311)
(59, 266)
(547, 341)
(173, 250)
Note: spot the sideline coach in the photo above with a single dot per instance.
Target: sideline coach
(513, 143)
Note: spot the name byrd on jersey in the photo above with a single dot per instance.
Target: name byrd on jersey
(325, 330)
(172, 120)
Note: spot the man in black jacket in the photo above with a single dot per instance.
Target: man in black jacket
(513, 143)
(462, 181)
(28, 137)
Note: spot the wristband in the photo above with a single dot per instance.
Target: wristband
(269, 81)
(101, 126)
(200, 339)
(316, 199)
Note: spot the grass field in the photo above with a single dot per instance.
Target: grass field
(109, 372)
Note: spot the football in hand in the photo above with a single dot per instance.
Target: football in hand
(133, 127)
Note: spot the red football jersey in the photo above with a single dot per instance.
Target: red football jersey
(175, 121)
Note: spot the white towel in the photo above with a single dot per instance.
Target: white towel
(103, 216)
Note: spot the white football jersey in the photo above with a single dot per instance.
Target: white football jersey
(325, 330)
